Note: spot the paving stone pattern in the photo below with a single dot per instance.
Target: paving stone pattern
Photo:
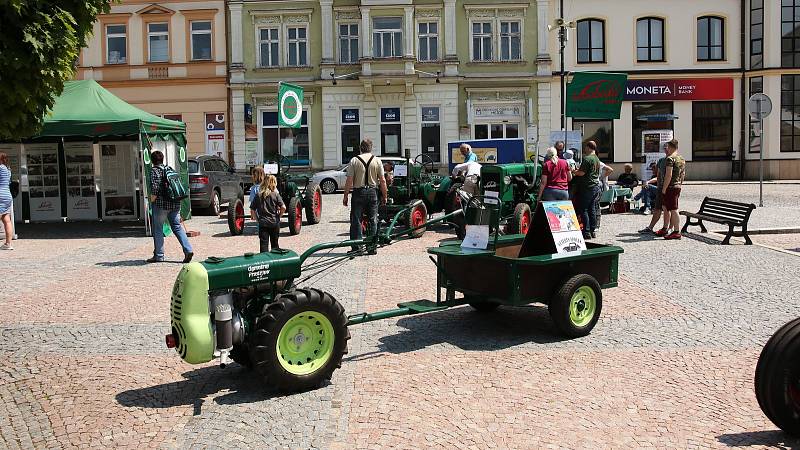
(669, 365)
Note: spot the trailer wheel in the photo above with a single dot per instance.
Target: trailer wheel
(295, 213)
(314, 207)
(236, 217)
(416, 217)
(522, 219)
(777, 378)
(299, 340)
(576, 305)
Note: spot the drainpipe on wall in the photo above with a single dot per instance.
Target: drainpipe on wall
(228, 90)
(744, 144)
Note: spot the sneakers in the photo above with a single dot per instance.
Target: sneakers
(662, 232)
(188, 257)
(646, 230)
(673, 235)
(6, 247)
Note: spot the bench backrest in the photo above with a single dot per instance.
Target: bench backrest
(727, 209)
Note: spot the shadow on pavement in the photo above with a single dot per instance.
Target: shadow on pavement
(81, 230)
(468, 329)
(134, 263)
(244, 386)
(773, 439)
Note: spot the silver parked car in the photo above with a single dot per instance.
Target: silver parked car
(212, 182)
(330, 181)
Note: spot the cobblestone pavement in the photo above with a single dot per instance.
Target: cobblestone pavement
(669, 365)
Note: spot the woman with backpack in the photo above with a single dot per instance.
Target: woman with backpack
(267, 208)
(166, 207)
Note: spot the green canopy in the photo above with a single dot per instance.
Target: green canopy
(85, 108)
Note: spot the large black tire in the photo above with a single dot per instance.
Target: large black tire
(241, 354)
(328, 186)
(575, 290)
(264, 339)
(236, 217)
(777, 378)
(415, 217)
(295, 213)
(522, 219)
(452, 203)
(314, 206)
(215, 205)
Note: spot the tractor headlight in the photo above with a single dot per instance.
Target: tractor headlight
(507, 180)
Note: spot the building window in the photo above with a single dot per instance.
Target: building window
(756, 34)
(431, 134)
(387, 37)
(712, 130)
(510, 41)
(599, 131)
(390, 131)
(756, 87)
(351, 133)
(297, 49)
(649, 116)
(496, 130)
(116, 44)
(790, 113)
(201, 40)
(348, 43)
(293, 143)
(175, 117)
(268, 47)
(710, 39)
(428, 41)
(790, 34)
(591, 41)
(481, 41)
(157, 42)
(650, 39)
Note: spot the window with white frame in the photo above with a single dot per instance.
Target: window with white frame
(268, 47)
(348, 42)
(201, 40)
(116, 44)
(428, 41)
(297, 46)
(157, 42)
(510, 41)
(481, 41)
(387, 37)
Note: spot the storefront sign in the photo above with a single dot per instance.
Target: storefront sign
(215, 134)
(595, 95)
(350, 115)
(430, 114)
(81, 191)
(390, 114)
(498, 111)
(680, 89)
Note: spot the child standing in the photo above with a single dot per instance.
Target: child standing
(267, 208)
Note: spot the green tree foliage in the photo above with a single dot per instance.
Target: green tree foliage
(40, 42)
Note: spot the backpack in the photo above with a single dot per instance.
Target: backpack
(175, 190)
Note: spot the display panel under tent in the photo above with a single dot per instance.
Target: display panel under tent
(91, 160)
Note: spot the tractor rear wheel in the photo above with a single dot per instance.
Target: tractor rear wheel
(522, 219)
(314, 206)
(299, 340)
(576, 306)
(236, 217)
(777, 379)
(295, 212)
(417, 217)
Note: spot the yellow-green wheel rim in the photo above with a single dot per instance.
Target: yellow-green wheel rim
(305, 343)
(582, 306)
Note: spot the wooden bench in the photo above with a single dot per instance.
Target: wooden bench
(724, 212)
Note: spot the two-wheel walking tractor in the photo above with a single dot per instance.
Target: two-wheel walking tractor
(296, 198)
(516, 186)
(252, 309)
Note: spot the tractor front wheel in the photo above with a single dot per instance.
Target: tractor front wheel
(299, 340)
(417, 217)
(314, 206)
(576, 306)
(236, 217)
(522, 219)
(777, 379)
(295, 212)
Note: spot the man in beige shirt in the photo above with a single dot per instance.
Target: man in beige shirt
(364, 176)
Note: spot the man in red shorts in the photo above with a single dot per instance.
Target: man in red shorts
(674, 172)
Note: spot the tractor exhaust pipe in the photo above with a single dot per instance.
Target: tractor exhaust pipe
(223, 320)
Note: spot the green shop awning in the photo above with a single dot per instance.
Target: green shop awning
(85, 108)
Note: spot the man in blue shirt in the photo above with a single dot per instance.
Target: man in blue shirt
(466, 152)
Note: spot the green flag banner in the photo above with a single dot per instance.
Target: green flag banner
(290, 105)
(595, 95)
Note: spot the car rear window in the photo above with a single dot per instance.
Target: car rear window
(193, 167)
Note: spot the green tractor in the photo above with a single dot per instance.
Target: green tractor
(516, 187)
(295, 197)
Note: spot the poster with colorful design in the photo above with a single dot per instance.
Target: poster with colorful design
(564, 225)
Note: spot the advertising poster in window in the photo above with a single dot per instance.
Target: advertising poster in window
(215, 135)
(43, 182)
(572, 138)
(652, 147)
(81, 193)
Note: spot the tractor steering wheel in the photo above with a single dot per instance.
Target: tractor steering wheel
(425, 161)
